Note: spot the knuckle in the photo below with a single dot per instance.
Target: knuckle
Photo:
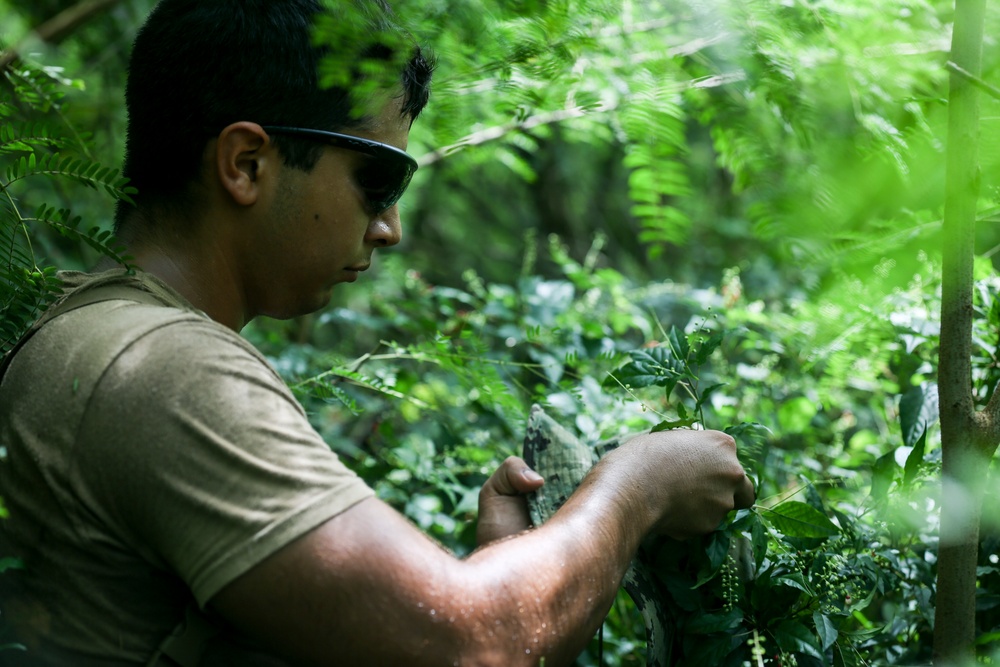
(727, 440)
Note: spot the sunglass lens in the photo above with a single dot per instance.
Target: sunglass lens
(384, 182)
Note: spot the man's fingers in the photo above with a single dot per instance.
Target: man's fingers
(513, 478)
(503, 509)
(745, 494)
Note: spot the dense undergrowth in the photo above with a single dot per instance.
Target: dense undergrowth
(844, 451)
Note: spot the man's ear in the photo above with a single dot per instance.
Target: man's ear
(244, 155)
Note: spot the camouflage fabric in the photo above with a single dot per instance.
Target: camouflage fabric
(563, 461)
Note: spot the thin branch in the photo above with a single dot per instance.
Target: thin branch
(58, 27)
(628, 389)
(686, 49)
(19, 223)
(492, 133)
(989, 89)
(940, 45)
(635, 28)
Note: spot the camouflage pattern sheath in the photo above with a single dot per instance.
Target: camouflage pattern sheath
(563, 461)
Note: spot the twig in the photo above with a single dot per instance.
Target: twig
(58, 27)
(491, 133)
(989, 89)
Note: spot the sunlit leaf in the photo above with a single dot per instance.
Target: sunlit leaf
(797, 519)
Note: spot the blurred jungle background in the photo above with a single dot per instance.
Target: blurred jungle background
(742, 197)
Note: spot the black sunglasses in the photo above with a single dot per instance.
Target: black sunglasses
(383, 179)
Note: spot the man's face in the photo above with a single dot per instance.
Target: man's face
(319, 229)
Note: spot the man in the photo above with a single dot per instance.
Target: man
(157, 464)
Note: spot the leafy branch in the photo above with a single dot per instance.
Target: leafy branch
(33, 149)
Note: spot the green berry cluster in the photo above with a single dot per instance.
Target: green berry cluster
(839, 585)
(881, 561)
(730, 583)
(758, 654)
(757, 649)
(787, 660)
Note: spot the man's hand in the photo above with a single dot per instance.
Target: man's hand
(503, 510)
(690, 480)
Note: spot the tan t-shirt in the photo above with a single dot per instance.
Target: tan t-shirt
(152, 455)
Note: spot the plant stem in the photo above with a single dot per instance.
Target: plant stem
(965, 452)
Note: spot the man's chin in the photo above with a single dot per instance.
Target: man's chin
(304, 306)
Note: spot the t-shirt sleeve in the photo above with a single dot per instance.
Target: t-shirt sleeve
(195, 454)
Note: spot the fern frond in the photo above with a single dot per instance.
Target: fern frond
(655, 127)
(38, 141)
(23, 295)
(87, 172)
(324, 386)
(64, 222)
(24, 137)
(35, 87)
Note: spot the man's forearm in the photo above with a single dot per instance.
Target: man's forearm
(370, 589)
(560, 579)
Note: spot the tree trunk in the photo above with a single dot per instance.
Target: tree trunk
(968, 439)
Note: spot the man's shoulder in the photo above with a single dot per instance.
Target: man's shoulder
(119, 284)
(102, 314)
(102, 317)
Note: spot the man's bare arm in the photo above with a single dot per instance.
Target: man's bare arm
(367, 588)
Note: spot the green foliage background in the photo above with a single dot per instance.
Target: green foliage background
(594, 173)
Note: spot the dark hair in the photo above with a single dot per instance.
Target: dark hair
(200, 65)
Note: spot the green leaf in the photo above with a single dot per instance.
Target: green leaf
(861, 635)
(794, 637)
(796, 580)
(708, 650)
(825, 629)
(883, 472)
(918, 410)
(678, 343)
(704, 624)
(672, 424)
(708, 346)
(915, 458)
(680, 589)
(656, 366)
(10, 563)
(797, 519)
(845, 655)
(987, 638)
(706, 394)
(717, 549)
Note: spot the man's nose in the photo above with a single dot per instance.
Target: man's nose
(384, 230)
